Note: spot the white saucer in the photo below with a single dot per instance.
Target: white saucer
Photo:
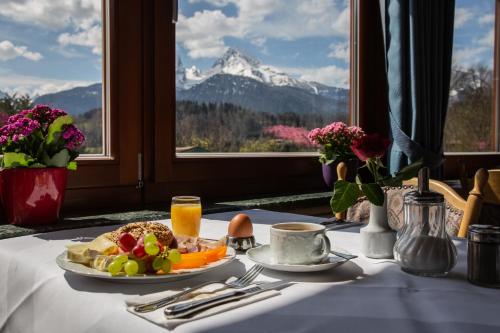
(262, 256)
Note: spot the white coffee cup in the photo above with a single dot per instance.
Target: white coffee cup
(298, 243)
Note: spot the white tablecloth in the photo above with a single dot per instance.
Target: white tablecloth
(361, 296)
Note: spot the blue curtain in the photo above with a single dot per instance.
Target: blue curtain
(418, 36)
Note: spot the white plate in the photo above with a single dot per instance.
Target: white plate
(180, 274)
(262, 255)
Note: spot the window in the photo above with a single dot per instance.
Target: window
(471, 124)
(53, 55)
(257, 77)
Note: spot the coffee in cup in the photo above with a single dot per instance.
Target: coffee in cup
(296, 243)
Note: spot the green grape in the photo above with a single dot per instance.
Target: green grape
(142, 266)
(131, 267)
(167, 265)
(151, 248)
(150, 238)
(157, 263)
(115, 267)
(121, 258)
(174, 256)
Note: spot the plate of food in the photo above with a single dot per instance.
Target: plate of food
(144, 252)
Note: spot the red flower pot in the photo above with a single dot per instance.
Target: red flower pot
(32, 196)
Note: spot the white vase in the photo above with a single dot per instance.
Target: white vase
(377, 238)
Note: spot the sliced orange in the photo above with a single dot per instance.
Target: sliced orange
(199, 259)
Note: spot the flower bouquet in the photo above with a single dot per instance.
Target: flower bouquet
(335, 141)
(372, 176)
(40, 137)
(39, 146)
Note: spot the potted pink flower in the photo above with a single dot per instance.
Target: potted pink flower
(335, 141)
(39, 146)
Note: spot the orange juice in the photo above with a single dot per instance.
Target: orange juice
(186, 218)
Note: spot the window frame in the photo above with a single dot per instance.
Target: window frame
(464, 164)
(215, 175)
(109, 181)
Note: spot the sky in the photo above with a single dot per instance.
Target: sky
(53, 45)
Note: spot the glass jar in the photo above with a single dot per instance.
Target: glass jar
(423, 246)
(483, 255)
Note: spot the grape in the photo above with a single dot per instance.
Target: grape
(121, 258)
(126, 241)
(115, 267)
(158, 263)
(131, 267)
(151, 248)
(174, 256)
(139, 251)
(166, 266)
(142, 266)
(150, 238)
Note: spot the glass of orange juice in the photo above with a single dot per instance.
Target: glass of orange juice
(185, 213)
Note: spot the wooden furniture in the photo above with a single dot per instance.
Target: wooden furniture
(460, 212)
(341, 175)
(471, 207)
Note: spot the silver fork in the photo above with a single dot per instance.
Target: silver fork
(239, 283)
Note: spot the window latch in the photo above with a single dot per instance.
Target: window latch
(175, 11)
(140, 180)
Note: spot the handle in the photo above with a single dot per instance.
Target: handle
(180, 310)
(175, 11)
(325, 247)
(152, 306)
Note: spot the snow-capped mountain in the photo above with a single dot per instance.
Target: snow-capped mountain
(239, 79)
(234, 62)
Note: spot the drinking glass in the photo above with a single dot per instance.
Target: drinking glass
(185, 213)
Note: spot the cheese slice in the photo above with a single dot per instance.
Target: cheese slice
(85, 253)
(102, 245)
(78, 253)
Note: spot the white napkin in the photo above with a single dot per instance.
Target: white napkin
(158, 317)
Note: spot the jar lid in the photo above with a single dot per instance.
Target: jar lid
(423, 195)
(484, 233)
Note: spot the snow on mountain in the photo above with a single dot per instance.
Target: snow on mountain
(234, 62)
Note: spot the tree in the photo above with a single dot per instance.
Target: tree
(11, 104)
(470, 114)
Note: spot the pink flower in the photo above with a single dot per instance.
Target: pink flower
(73, 137)
(297, 135)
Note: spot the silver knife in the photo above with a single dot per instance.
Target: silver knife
(185, 309)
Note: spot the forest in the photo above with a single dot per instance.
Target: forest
(223, 127)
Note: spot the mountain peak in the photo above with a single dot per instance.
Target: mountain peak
(232, 57)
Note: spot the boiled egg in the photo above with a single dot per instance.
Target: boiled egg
(240, 226)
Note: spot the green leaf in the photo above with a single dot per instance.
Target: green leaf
(16, 160)
(56, 128)
(345, 195)
(409, 171)
(374, 193)
(72, 166)
(60, 159)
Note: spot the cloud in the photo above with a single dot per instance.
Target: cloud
(333, 76)
(204, 33)
(488, 40)
(486, 19)
(90, 38)
(81, 17)
(339, 51)
(9, 51)
(35, 86)
(53, 14)
(468, 55)
(462, 16)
